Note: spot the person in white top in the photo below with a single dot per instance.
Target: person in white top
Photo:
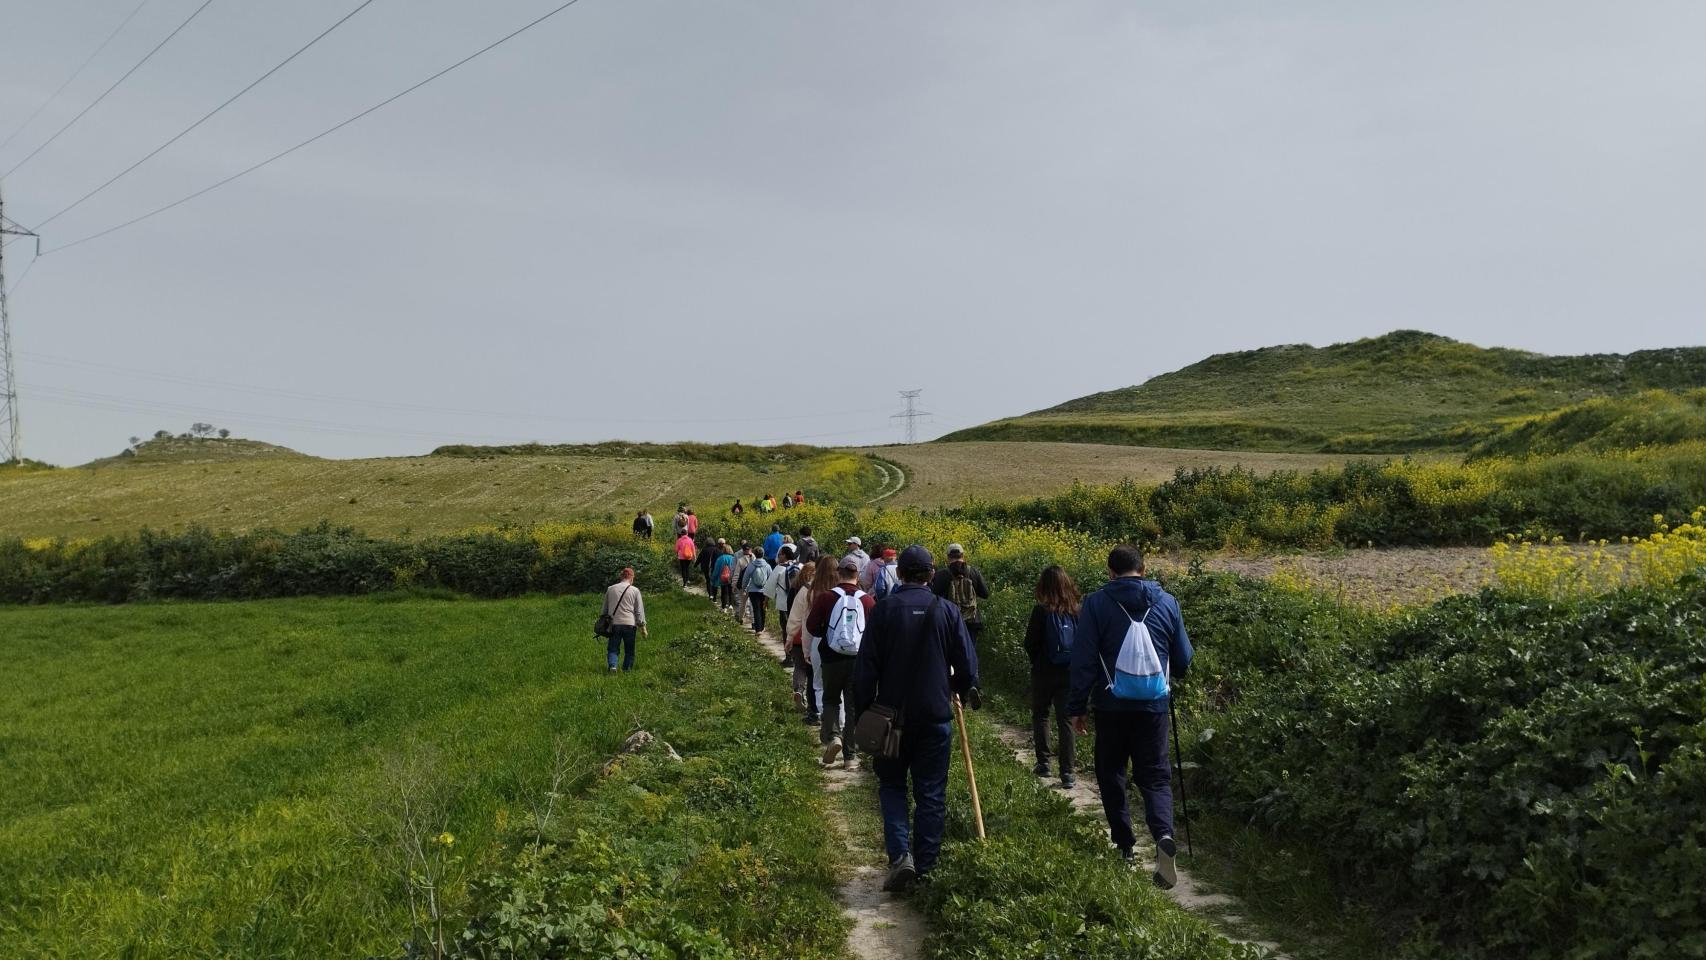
(627, 610)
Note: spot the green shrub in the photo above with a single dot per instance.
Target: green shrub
(1370, 503)
(199, 564)
(1525, 774)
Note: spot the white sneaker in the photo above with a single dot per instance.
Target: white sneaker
(1166, 867)
(831, 750)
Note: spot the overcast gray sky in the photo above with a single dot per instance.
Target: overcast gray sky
(643, 218)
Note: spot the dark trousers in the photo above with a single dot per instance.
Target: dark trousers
(621, 638)
(686, 572)
(1049, 688)
(1137, 738)
(802, 664)
(838, 692)
(710, 585)
(757, 601)
(924, 751)
(725, 595)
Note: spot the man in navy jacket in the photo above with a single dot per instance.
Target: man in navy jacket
(916, 655)
(1130, 732)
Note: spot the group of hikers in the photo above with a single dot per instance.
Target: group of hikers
(767, 503)
(882, 643)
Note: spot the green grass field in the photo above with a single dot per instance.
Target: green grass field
(236, 486)
(202, 780)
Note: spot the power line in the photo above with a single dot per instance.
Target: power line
(211, 113)
(74, 74)
(910, 414)
(11, 447)
(322, 134)
(408, 407)
(116, 83)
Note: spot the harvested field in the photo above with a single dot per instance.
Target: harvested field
(946, 474)
(1402, 576)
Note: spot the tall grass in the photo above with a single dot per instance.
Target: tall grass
(224, 779)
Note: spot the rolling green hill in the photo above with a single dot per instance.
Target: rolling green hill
(1402, 392)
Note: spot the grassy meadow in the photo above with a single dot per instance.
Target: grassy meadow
(225, 485)
(227, 779)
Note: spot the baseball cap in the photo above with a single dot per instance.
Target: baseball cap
(855, 541)
(955, 550)
(847, 565)
(915, 559)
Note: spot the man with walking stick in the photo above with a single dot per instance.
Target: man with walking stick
(913, 660)
(1131, 641)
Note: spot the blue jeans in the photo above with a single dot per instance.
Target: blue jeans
(1137, 738)
(924, 753)
(621, 638)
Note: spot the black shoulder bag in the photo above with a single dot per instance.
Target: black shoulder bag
(606, 620)
(880, 727)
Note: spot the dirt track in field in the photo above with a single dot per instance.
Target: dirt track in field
(946, 474)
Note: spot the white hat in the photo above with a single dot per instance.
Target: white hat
(855, 541)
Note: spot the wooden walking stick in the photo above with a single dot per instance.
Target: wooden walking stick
(971, 774)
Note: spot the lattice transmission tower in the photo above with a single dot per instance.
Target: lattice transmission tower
(10, 445)
(911, 414)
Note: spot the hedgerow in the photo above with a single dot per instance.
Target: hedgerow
(199, 564)
(1393, 503)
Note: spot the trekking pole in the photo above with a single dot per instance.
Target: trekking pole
(1179, 761)
(971, 774)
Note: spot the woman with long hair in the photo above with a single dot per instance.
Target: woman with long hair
(808, 684)
(1048, 641)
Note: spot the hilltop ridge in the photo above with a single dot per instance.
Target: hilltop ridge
(1404, 391)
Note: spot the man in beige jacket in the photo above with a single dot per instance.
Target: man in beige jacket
(627, 611)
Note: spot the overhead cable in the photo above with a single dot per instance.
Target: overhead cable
(210, 114)
(116, 84)
(54, 360)
(74, 74)
(321, 135)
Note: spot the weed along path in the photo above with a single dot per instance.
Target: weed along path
(1221, 909)
(885, 927)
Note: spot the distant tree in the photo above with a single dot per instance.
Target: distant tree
(162, 434)
(136, 441)
(224, 434)
(201, 429)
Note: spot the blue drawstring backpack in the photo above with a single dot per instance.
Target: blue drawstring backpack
(1137, 673)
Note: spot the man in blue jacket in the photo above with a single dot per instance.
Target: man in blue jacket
(915, 655)
(773, 543)
(1131, 731)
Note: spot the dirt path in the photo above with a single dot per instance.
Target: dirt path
(885, 927)
(1222, 909)
(894, 480)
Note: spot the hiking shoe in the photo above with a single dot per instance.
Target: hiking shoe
(1068, 781)
(849, 761)
(812, 720)
(1129, 857)
(831, 750)
(902, 875)
(799, 699)
(1166, 869)
(1041, 769)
